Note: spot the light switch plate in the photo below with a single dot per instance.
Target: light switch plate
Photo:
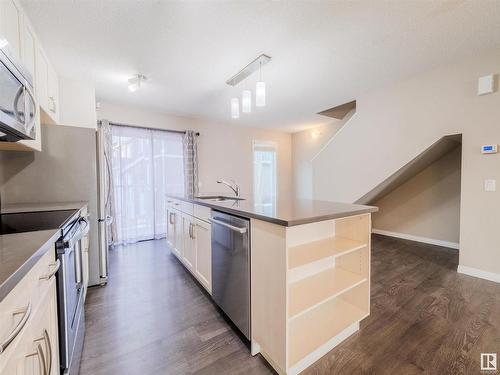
(490, 185)
(485, 84)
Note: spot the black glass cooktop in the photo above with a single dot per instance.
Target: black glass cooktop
(33, 221)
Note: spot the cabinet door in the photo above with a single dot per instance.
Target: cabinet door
(29, 48)
(189, 250)
(203, 244)
(53, 94)
(179, 234)
(42, 71)
(10, 26)
(170, 228)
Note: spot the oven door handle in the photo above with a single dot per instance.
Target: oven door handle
(84, 225)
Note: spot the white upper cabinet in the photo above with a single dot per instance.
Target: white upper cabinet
(29, 47)
(53, 94)
(10, 26)
(23, 44)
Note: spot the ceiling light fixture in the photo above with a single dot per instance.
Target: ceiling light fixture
(135, 82)
(246, 101)
(246, 95)
(260, 90)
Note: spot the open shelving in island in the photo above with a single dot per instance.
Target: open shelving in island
(314, 281)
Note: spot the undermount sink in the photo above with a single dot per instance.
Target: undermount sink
(219, 198)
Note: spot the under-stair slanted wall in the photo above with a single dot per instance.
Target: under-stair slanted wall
(386, 133)
(428, 156)
(394, 124)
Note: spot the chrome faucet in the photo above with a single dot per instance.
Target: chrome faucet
(233, 185)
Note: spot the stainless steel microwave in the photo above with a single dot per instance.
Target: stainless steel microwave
(17, 103)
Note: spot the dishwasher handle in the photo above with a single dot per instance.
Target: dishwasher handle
(229, 226)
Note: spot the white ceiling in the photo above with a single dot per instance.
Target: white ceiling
(324, 52)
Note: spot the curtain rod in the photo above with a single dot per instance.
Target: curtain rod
(149, 128)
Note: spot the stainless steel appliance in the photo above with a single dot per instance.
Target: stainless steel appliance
(69, 277)
(17, 103)
(231, 268)
(70, 296)
(70, 168)
(104, 219)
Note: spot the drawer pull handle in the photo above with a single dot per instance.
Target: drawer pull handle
(26, 314)
(46, 339)
(41, 359)
(56, 266)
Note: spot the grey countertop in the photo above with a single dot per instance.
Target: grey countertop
(283, 212)
(19, 252)
(12, 208)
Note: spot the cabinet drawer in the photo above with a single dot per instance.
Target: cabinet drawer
(201, 212)
(187, 208)
(18, 307)
(42, 275)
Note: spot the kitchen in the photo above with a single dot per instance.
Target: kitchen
(189, 213)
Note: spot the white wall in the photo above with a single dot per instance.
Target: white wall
(306, 145)
(427, 205)
(77, 102)
(394, 124)
(225, 150)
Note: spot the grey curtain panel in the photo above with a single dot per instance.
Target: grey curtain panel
(190, 144)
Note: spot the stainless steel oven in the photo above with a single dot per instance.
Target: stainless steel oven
(17, 103)
(70, 294)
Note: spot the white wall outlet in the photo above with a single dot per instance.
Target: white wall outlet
(490, 185)
(485, 84)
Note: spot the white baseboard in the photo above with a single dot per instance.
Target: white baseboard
(491, 276)
(431, 241)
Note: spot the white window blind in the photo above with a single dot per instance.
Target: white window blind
(265, 175)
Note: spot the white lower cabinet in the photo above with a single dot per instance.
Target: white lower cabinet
(35, 349)
(203, 244)
(189, 238)
(179, 234)
(170, 227)
(189, 250)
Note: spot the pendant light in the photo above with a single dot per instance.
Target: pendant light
(235, 108)
(260, 91)
(246, 101)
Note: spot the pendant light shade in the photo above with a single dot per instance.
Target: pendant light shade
(260, 94)
(235, 108)
(246, 101)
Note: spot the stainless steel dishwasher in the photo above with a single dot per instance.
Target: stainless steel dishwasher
(231, 268)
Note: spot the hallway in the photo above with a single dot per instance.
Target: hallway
(153, 318)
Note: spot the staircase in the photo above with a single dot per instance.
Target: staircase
(361, 164)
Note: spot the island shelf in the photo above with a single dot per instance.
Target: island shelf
(314, 281)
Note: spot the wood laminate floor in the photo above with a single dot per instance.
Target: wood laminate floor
(153, 318)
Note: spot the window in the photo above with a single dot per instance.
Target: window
(146, 165)
(264, 170)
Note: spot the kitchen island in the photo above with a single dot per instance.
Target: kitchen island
(310, 275)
